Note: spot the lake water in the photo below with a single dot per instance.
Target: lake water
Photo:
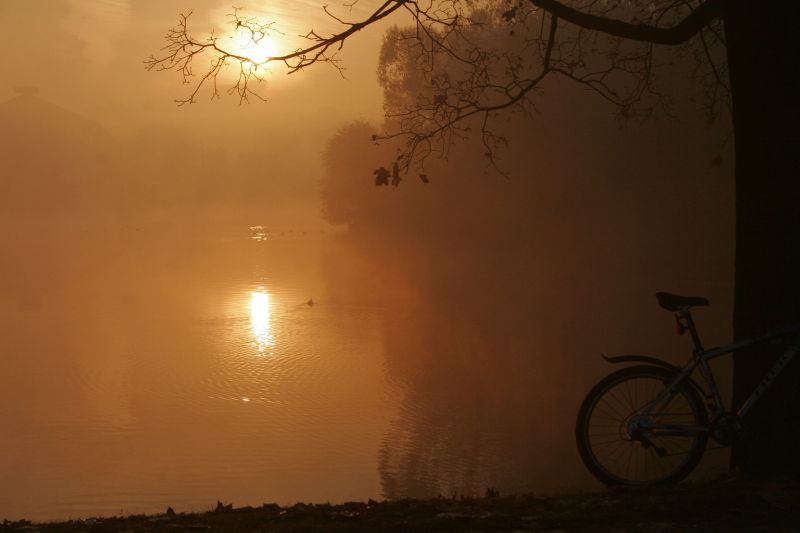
(169, 363)
(144, 370)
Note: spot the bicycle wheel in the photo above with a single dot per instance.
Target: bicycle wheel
(612, 431)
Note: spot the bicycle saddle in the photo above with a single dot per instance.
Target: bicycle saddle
(673, 302)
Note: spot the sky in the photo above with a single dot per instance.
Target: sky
(88, 57)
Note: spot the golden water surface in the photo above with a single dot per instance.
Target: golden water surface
(154, 367)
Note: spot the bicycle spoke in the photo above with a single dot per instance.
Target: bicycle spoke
(618, 433)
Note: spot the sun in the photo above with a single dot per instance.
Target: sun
(257, 48)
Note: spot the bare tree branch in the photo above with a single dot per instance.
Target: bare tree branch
(680, 33)
(462, 62)
(183, 49)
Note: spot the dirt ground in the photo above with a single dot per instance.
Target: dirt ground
(719, 506)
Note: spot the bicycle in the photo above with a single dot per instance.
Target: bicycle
(649, 424)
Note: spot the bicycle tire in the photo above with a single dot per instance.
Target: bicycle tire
(612, 390)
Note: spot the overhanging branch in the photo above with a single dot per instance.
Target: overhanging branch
(680, 33)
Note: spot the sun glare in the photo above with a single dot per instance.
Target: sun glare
(260, 320)
(256, 50)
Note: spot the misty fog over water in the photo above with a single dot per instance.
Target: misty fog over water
(163, 352)
(184, 373)
(156, 269)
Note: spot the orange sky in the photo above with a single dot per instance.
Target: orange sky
(91, 53)
(88, 57)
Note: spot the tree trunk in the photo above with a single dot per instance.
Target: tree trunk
(763, 48)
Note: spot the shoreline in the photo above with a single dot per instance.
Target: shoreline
(729, 505)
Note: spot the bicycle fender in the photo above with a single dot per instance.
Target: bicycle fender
(639, 359)
(653, 361)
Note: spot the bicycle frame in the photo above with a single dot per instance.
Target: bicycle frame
(701, 358)
(655, 410)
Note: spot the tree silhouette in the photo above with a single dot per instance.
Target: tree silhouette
(746, 62)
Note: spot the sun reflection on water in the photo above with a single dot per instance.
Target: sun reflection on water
(260, 321)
